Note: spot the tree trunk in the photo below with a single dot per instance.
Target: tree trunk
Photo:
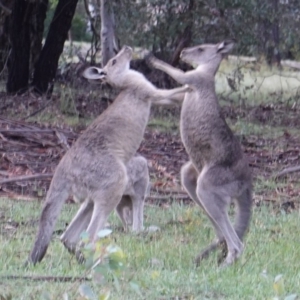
(18, 65)
(5, 17)
(47, 63)
(275, 33)
(107, 32)
(183, 41)
(36, 32)
(186, 36)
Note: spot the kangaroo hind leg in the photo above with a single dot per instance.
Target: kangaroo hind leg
(80, 222)
(215, 200)
(189, 176)
(131, 207)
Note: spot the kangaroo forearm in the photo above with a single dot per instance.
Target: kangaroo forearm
(177, 74)
(159, 95)
(175, 100)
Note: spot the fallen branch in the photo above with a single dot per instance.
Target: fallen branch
(47, 278)
(168, 191)
(26, 177)
(175, 197)
(36, 112)
(287, 170)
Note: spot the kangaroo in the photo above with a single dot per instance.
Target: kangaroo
(130, 208)
(217, 171)
(135, 193)
(94, 169)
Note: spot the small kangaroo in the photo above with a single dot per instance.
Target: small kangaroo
(217, 171)
(95, 169)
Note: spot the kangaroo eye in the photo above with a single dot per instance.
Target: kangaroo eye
(200, 49)
(113, 62)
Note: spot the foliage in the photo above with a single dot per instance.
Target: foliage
(105, 263)
(79, 28)
(252, 23)
(280, 290)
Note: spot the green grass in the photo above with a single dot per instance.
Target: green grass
(161, 262)
(257, 83)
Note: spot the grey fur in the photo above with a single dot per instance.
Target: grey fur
(217, 172)
(97, 169)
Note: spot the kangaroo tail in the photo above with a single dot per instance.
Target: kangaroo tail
(56, 197)
(244, 212)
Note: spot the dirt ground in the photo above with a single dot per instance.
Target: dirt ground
(33, 148)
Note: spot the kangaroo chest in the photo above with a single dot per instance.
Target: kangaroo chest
(204, 133)
(118, 130)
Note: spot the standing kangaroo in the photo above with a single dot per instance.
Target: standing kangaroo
(94, 169)
(217, 171)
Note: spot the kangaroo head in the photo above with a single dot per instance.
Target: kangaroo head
(207, 56)
(114, 71)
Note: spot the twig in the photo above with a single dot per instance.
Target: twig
(27, 177)
(47, 278)
(62, 140)
(12, 131)
(37, 111)
(287, 170)
(177, 197)
(5, 60)
(5, 9)
(168, 191)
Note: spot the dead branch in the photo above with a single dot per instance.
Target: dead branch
(46, 278)
(287, 170)
(37, 111)
(5, 9)
(27, 177)
(175, 197)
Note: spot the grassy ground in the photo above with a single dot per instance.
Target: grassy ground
(161, 262)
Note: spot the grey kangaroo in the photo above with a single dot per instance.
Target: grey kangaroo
(217, 171)
(95, 169)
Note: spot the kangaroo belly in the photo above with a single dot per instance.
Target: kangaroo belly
(206, 136)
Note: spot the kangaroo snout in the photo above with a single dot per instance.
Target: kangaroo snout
(127, 49)
(94, 73)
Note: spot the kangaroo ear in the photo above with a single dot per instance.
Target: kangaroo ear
(226, 46)
(93, 73)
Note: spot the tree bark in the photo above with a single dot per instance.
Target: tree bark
(275, 33)
(107, 32)
(36, 31)
(186, 36)
(5, 17)
(46, 66)
(18, 64)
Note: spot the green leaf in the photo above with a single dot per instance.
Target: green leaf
(117, 255)
(291, 297)
(89, 262)
(65, 296)
(45, 296)
(115, 265)
(116, 282)
(86, 292)
(135, 287)
(278, 285)
(104, 296)
(84, 236)
(102, 269)
(104, 232)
